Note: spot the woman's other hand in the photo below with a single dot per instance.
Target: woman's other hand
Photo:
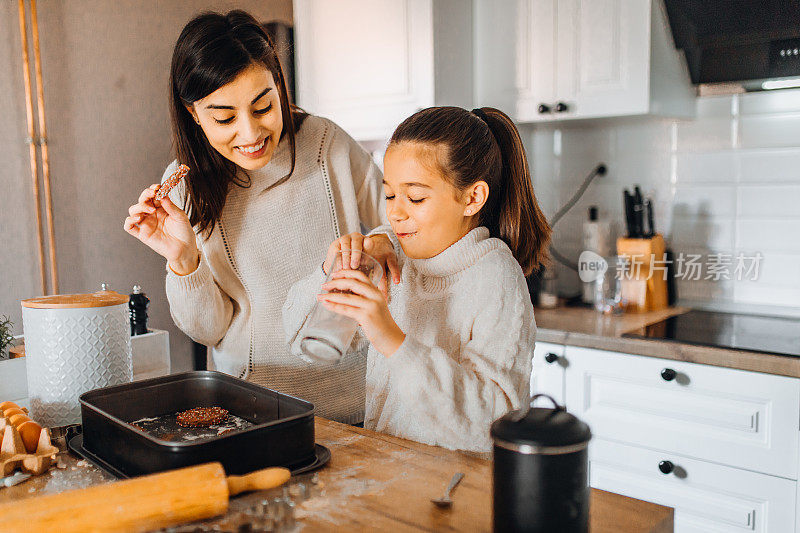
(166, 229)
(357, 298)
(378, 246)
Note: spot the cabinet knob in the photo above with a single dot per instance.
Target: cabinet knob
(551, 357)
(666, 467)
(544, 108)
(561, 107)
(668, 374)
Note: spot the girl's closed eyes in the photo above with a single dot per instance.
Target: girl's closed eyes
(412, 200)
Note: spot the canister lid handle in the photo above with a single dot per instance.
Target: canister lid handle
(522, 413)
(542, 395)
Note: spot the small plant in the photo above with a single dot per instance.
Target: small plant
(6, 338)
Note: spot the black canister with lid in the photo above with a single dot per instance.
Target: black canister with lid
(540, 472)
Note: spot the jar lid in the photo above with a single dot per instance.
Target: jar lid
(541, 430)
(74, 301)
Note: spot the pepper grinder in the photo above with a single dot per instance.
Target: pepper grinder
(137, 306)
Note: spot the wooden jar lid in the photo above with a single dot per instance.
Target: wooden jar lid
(74, 301)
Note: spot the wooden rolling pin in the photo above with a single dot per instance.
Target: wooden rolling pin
(140, 504)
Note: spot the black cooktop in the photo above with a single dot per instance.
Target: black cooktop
(776, 335)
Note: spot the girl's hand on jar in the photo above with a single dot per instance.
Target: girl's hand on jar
(378, 246)
(356, 297)
(166, 229)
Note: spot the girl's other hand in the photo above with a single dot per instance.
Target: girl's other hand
(165, 228)
(360, 300)
(378, 246)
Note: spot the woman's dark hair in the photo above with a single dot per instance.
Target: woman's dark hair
(484, 145)
(211, 51)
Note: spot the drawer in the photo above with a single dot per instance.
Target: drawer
(706, 497)
(548, 376)
(742, 419)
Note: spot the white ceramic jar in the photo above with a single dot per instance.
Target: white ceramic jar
(74, 343)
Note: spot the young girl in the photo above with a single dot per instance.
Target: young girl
(451, 349)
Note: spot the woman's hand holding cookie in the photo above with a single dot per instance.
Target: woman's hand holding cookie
(166, 229)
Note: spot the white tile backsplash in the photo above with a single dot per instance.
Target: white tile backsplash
(750, 293)
(705, 201)
(785, 101)
(773, 235)
(726, 182)
(705, 134)
(707, 167)
(769, 131)
(692, 234)
(777, 200)
(758, 166)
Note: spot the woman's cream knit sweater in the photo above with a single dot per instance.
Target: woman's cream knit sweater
(466, 359)
(267, 238)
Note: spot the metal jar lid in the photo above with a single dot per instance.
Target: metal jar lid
(539, 430)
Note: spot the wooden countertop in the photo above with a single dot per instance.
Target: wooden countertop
(582, 326)
(380, 483)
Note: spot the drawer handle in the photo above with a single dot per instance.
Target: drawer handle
(666, 467)
(551, 357)
(544, 108)
(668, 374)
(561, 107)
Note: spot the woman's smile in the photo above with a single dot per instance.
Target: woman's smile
(254, 151)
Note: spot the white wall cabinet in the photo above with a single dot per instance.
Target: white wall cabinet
(545, 60)
(719, 445)
(369, 64)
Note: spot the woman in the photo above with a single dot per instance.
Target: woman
(269, 187)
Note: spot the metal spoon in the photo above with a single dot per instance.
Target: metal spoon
(445, 500)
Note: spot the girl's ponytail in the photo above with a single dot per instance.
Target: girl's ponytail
(515, 217)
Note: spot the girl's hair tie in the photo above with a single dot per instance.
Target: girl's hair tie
(478, 112)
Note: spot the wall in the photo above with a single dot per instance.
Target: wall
(105, 65)
(727, 182)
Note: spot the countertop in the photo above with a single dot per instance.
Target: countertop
(376, 482)
(582, 326)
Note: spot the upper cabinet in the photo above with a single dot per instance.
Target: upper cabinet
(369, 64)
(545, 60)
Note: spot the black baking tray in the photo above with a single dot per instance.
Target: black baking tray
(282, 433)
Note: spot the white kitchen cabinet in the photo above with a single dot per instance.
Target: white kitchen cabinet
(545, 60)
(742, 419)
(548, 371)
(732, 436)
(706, 496)
(369, 64)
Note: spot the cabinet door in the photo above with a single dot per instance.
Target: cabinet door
(515, 56)
(706, 496)
(603, 54)
(365, 64)
(743, 419)
(548, 371)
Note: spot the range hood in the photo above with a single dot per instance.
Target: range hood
(746, 41)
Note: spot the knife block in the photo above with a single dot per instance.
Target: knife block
(644, 284)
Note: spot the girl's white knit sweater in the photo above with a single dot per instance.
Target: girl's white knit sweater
(466, 359)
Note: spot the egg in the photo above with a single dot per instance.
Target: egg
(30, 432)
(7, 405)
(11, 411)
(18, 419)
